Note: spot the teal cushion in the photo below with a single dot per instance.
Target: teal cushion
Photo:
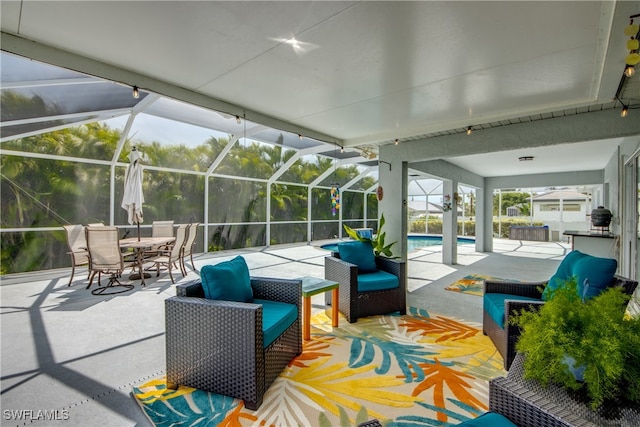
(358, 253)
(494, 305)
(594, 275)
(276, 318)
(563, 273)
(489, 419)
(377, 281)
(593, 271)
(227, 281)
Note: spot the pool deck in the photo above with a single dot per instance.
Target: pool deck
(64, 349)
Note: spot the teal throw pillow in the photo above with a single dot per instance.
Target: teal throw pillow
(562, 274)
(360, 254)
(593, 274)
(227, 281)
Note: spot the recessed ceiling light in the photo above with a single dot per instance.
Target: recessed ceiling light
(525, 158)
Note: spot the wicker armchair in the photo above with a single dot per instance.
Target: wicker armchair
(505, 336)
(529, 404)
(217, 346)
(354, 304)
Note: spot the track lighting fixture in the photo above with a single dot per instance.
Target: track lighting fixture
(238, 121)
(341, 149)
(136, 92)
(397, 142)
(300, 136)
(469, 130)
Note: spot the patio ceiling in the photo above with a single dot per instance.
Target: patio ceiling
(358, 74)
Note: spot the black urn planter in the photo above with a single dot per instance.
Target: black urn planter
(601, 217)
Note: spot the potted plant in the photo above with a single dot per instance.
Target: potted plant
(590, 347)
(378, 243)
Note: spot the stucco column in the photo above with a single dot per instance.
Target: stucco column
(449, 223)
(392, 178)
(481, 214)
(486, 223)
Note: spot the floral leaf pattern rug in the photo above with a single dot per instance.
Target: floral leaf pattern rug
(470, 284)
(412, 370)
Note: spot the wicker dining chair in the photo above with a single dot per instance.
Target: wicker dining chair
(77, 243)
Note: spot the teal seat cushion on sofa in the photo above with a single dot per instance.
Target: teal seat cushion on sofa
(227, 281)
(589, 270)
(358, 253)
(377, 281)
(276, 318)
(489, 419)
(494, 305)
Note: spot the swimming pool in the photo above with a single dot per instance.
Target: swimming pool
(413, 242)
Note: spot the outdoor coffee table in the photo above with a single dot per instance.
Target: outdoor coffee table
(313, 286)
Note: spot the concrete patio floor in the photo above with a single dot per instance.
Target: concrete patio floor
(77, 355)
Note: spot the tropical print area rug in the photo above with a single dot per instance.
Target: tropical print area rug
(470, 284)
(412, 370)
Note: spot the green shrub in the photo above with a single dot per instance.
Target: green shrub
(594, 333)
(435, 226)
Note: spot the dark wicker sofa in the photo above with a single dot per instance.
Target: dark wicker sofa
(505, 338)
(217, 346)
(354, 304)
(529, 404)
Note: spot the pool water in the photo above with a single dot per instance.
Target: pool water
(413, 242)
(417, 242)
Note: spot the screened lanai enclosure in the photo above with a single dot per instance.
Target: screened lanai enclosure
(66, 138)
(65, 141)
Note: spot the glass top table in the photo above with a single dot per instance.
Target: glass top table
(313, 286)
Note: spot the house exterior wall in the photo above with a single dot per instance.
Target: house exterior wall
(574, 216)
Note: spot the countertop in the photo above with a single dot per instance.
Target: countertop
(601, 234)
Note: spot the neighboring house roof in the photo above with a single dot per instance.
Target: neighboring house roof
(557, 195)
(419, 206)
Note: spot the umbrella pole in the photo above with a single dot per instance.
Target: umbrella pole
(136, 276)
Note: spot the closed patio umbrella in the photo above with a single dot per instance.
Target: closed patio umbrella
(133, 198)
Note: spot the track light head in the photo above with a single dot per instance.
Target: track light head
(136, 92)
(469, 130)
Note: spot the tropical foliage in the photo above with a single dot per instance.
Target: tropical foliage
(518, 199)
(56, 190)
(594, 333)
(380, 248)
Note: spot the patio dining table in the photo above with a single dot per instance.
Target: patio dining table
(139, 245)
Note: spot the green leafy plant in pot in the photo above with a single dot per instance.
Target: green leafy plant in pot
(378, 243)
(594, 336)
